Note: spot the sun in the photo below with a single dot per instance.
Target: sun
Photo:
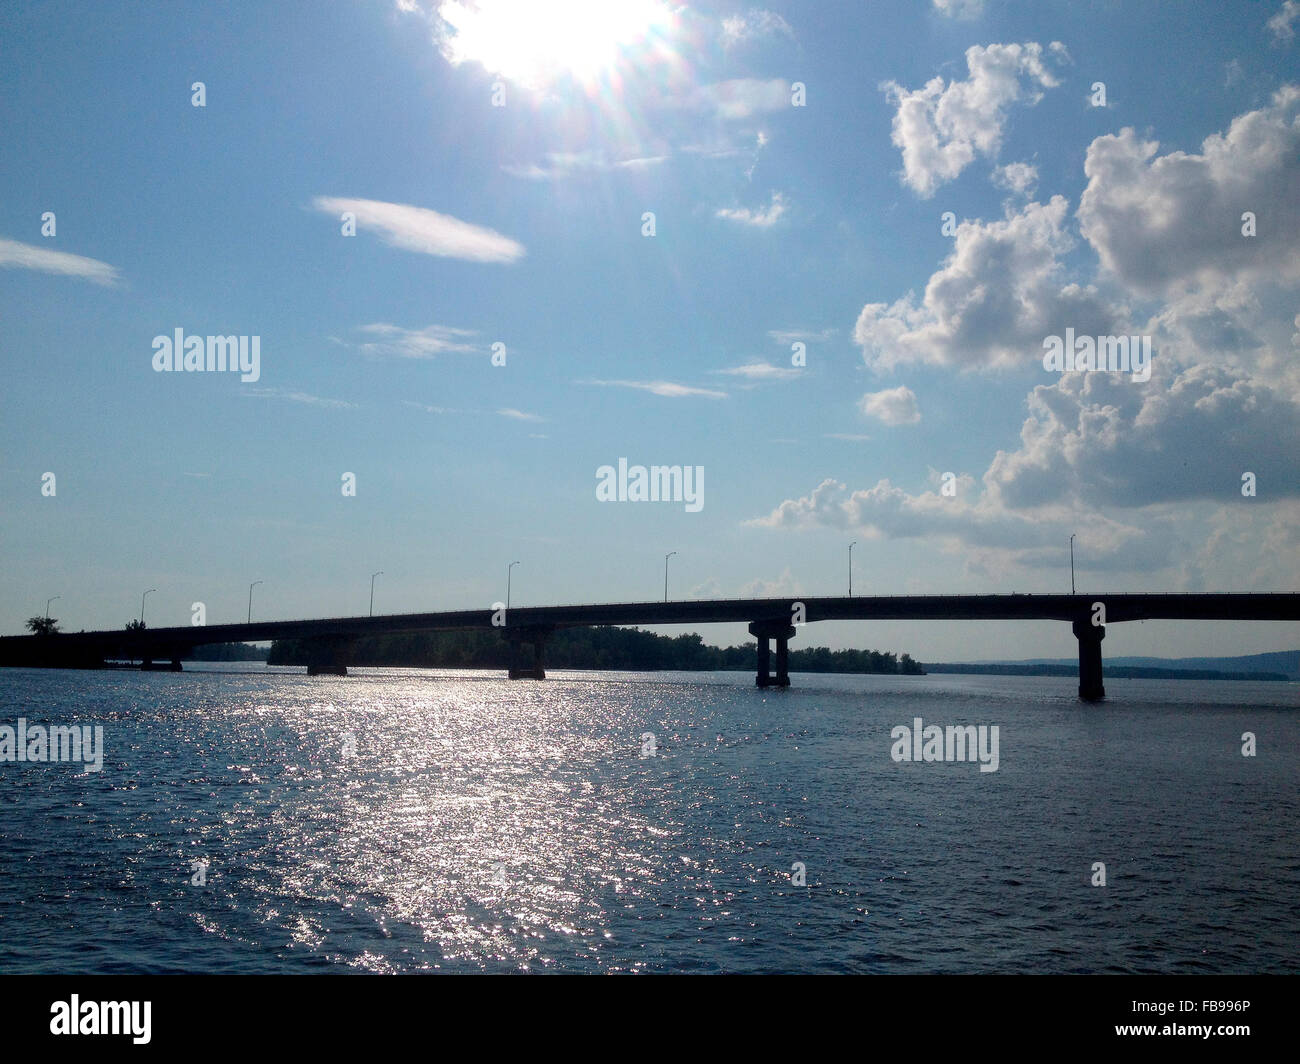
(536, 44)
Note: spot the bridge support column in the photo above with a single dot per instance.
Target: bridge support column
(1089, 635)
(328, 655)
(764, 632)
(535, 635)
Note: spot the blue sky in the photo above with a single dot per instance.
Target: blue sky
(522, 224)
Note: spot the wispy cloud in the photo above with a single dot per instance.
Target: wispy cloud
(1280, 24)
(744, 97)
(559, 165)
(789, 336)
(424, 231)
(760, 217)
(754, 24)
(760, 371)
(855, 437)
(298, 397)
(393, 341)
(519, 415)
(15, 255)
(668, 389)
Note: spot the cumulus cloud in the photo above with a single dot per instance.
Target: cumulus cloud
(894, 406)
(1162, 223)
(16, 255)
(759, 217)
(667, 389)
(992, 302)
(1104, 440)
(941, 128)
(427, 232)
(1019, 178)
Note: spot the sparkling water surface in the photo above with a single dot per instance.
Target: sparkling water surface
(495, 826)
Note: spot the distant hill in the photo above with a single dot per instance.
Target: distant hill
(1275, 665)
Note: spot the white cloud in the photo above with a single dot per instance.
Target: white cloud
(421, 230)
(996, 296)
(960, 8)
(1166, 223)
(518, 415)
(893, 406)
(15, 255)
(1019, 178)
(942, 128)
(559, 165)
(753, 24)
(393, 341)
(297, 397)
(667, 389)
(759, 217)
(855, 437)
(744, 97)
(760, 371)
(1280, 24)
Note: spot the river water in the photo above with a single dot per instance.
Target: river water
(258, 820)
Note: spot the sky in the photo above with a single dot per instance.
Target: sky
(816, 251)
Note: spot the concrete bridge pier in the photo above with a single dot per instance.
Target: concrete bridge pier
(1090, 636)
(536, 635)
(329, 655)
(765, 632)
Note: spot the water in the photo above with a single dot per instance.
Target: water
(391, 860)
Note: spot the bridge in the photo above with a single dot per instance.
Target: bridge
(331, 641)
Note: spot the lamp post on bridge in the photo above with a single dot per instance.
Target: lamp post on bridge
(250, 599)
(142, 598)
(47, 605)
(372, 590)
(666, 557)
(508, 569)
(1072, 535)
(851, 546)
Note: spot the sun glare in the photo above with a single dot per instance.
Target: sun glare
(536, 44)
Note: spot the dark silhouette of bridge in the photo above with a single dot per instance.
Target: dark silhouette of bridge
(331, 641)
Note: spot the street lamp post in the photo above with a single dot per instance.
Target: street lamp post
(47, 605)
(508, 573)
(142, 598)
(372, 590)
(851, 546)
(250, 599)
(1072, 535)
(666, 557)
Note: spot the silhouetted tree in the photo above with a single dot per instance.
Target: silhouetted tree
(43, 625)
(135, 626)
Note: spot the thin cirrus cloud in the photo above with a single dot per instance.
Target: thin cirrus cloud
(758, 217)
(518, 415)
(16, 255)
(299, 397)
(393, 341)
(759, 371)
(667, 389)
(423, 231)
(743, 97)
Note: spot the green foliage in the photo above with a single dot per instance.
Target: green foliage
(590, 648)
